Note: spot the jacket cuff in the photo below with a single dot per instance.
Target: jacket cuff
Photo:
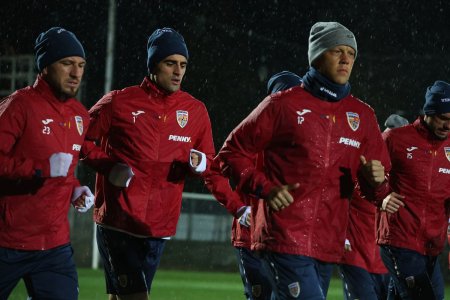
(42, 169)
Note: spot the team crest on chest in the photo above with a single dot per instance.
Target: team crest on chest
(182, 117)
(447, 152)
(294, 289)
(79, 122)
(353, 120)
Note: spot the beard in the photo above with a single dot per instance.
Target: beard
(59, 90)
(63, 93)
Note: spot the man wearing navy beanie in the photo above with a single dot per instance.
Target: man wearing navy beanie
(156, 134)
(42, 128)
(52, 46)
(164, 43)
(437, 99)
(414, 217)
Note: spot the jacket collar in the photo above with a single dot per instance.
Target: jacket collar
(43, 88)
(422, 128)
(152, 89)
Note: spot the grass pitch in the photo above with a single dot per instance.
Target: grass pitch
(177, 285)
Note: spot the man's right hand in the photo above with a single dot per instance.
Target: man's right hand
(392, 202)
(373, 171)
(60, 164)
(280, 198)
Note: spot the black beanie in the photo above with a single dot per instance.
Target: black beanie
(282, 81)
(437, 99)
(55, 44)
(162, 43)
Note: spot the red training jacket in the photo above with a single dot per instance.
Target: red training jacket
(361, 233)
(34, 124)
(421, 173)
(315, 143)
(152, 132)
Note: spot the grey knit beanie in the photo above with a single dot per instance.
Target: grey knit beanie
(326, 35)
(394, 121)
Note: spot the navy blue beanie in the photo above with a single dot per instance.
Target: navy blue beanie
(282, 81)
(162, 43)
(55, 44)
(437, 99)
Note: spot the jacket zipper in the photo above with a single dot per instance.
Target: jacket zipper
(331, 119)
(425, 208)
(162, 118)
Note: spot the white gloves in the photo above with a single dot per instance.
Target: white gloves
(120, 175)
(60, 164)
(197, 161)
(82, 198)
(245, 218)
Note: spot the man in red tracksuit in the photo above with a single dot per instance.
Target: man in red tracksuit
(363, 273)
(253, 274)
(149, 132)
(42, 128)
(412, 226)
(316, 139)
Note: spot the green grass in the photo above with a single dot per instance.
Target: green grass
(177, 285)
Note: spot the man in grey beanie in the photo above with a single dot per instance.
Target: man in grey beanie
(42, 128)
(317, 140)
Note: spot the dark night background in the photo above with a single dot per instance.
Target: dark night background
(236, 45)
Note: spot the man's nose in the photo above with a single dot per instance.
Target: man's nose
(177, 69)
(345, 58)
(77, 71)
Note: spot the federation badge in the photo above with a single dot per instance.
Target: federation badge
(447, 152)
(353, 120)
(182, 118)
(256, 290)
(294, 289)
(123, 280)
(79, 122)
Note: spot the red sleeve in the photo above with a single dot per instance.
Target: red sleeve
(13, 118)
(220, 187)
(204, 141)
(243, 145)
(99, 125)
(375, 149)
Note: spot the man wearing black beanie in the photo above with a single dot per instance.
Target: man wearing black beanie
(413, 220)
(156, 135)
(317, 141)
(42, 128)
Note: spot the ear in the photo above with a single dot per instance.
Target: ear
(317, 63)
